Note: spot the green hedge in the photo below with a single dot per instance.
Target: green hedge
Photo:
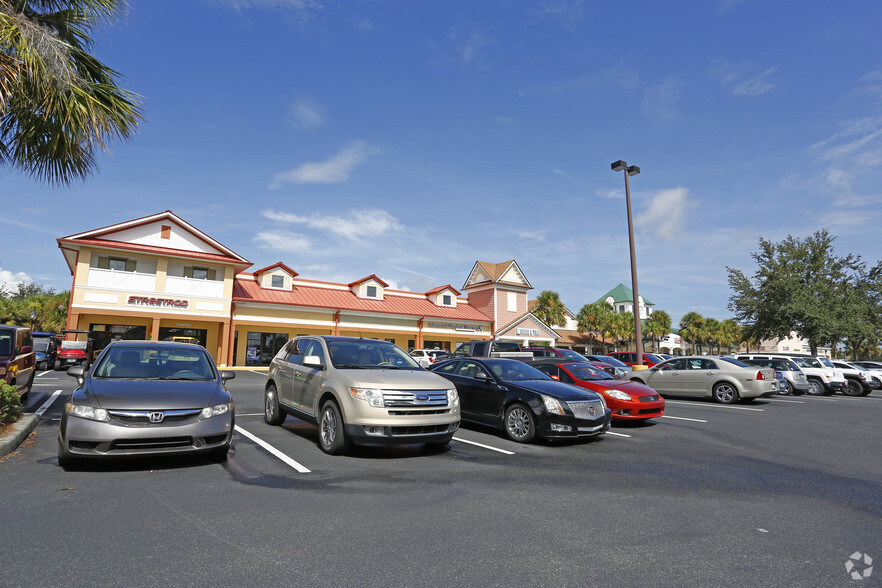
(10, 404)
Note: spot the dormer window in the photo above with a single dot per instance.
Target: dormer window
(278, 281)
(370, 291)
(447, 300)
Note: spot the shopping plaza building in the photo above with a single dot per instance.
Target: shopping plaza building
(160, 278)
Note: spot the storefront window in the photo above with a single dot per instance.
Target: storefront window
(103, 334)
(182, 335)
(262, 347)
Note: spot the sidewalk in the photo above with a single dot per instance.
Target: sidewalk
(20, 430)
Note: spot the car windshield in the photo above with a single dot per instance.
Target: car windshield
(368, 354)
(611, 361)
(511, 370)
(41, 344)
(155, 363)
(586, 371)
(570, 354)
(73, 345)
(826, 362)
(653, 357)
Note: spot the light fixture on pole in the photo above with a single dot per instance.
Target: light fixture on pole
(632, 170)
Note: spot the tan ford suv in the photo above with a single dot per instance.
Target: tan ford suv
(359, 391)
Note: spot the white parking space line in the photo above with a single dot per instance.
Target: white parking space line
(48, 403)
(617, 434)
(782, 400)
(249, 414)
(287, 460)
(263, 373)
(665, 416)
(709, 405)
(484, 446)
(44, 373)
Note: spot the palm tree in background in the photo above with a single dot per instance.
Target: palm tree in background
(58, 104)
(731, 334)
(549, 309)
(692, 329)
(712, 334)
(658, 325)
(596, 318)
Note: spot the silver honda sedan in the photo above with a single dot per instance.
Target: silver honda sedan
(147, 398)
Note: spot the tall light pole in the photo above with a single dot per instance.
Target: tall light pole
(632, 170)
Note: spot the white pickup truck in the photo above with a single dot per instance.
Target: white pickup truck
(491, 348)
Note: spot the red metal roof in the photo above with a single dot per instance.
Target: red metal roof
(245, 289)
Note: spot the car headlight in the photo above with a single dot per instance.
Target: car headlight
(619, 395)
(552, 405)
(210, 411)
(452, 397)
(86, 412)
(372, 396)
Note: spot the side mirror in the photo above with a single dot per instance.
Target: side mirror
(313, 361)
(483, 376)
(78, 372)
(225, 375)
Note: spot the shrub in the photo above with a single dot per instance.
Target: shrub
(10, 404)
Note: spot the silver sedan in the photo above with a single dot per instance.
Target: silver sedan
(724, 379)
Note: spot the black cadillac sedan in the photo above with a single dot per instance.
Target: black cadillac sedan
(522, 401)
(147, 398)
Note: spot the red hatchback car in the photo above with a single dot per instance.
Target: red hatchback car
(630, 357)
(627, 400)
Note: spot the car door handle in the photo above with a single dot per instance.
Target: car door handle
(712, 373)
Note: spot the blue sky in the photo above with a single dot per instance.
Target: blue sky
(411, 139)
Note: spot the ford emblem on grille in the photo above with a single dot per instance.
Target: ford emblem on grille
(422, 397)
(156, 417)
(591, 410)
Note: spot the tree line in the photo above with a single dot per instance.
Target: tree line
(49, 308)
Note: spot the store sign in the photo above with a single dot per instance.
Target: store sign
(455, 327)
(157, 302)
(529, 332)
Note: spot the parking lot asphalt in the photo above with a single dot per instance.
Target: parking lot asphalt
(782, 491)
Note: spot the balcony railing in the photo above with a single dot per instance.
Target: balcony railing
(118, 280)
(194, 287)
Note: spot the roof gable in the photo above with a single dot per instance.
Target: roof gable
(507, 272)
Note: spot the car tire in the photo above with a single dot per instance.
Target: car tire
(725, 393)
(272, 412)
(519, 423)
(853, 388)
(816, 388)
(788, 389)
(332, 430)
(57, 365)
(44, 365)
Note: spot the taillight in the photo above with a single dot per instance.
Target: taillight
(760, 376)
(431, 359)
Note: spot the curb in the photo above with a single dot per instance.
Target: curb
(20, 431)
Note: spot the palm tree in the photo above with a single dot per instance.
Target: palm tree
(623, 327)
(549, 309)
(712, 334)
(596, 319)
(692, 329)
(58, 104)
(658, 325)
(731, 334)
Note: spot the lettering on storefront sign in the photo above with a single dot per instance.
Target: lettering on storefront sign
(455, 327)
(157, 302)
(529, 332)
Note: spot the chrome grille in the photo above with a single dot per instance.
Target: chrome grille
(414, 398)
(583, 409)
(142, 417)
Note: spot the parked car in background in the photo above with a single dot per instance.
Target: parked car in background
(359, 391)
(46, 349)
(627, 400)
(795, 381)
(873, 367)
(821, 379)
(426, 357)
(610, 365)
(491, 348)
(630, 358)
(511, 395)
(539, 352)
(147, 398)
(724, 379)
(860, 381)
(17, 358)
(74, 353)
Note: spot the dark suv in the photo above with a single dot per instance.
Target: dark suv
(17, 358)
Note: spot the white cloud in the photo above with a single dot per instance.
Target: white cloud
(9, 281)
(660, 100)
(334, 170)
(665, 217)
(355, 226)
(283, 241)
(305, 114)
(472, 50)
(743, 79)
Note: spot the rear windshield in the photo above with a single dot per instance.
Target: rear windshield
(506, 346)
(734, 361)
